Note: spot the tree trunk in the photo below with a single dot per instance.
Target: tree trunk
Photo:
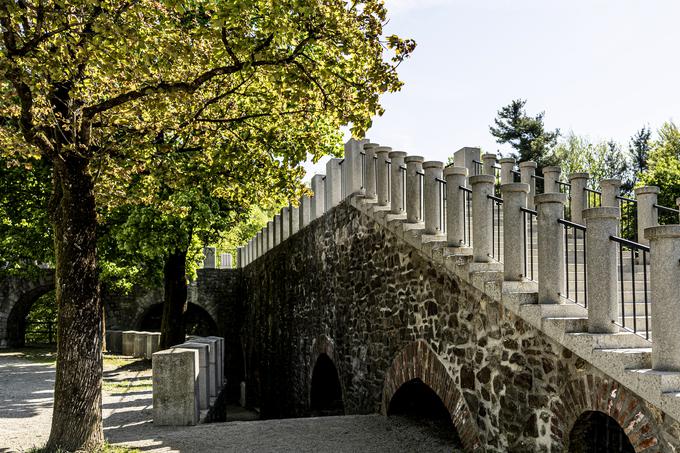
(77, 415)
(175, 299)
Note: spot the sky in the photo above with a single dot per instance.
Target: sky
(602, 68)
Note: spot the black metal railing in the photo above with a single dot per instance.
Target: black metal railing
(497, 179)
(667, 215)
(631, 305)
(539, 183)
(565, 188)
(402, 174)
(388, 164)
(467, 215)
(529, 217)
(593, 198)
(441, 197)
(575, 234)
(516, 176)
(421, 184)
(375, 174)
(343, 189)
(496, 228)
(478, 167)
(363, 170)
(40, 332)
(628, 208)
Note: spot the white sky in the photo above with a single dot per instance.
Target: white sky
(602, 68)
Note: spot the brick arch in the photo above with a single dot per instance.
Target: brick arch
(17, 296)
(595, 393)
(419, 361)
(322, 345)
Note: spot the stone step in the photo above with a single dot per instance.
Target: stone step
(617, 360)
(569, 324)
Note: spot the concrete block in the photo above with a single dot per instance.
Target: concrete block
(153, 343)
(212, 364)
(139, 349)
(203, 370)
(114, 341)
(128, 342)
(175, 397)
(219, 361)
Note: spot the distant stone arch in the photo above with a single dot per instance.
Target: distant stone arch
(17, 296)
(418, 362)
(589, 395)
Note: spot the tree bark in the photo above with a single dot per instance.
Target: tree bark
(77, 415)
(175, 299)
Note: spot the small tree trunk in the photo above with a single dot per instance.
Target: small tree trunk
(77, 415)
(175, 299)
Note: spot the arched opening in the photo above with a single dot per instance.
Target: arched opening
(417, 402)
(197, 321)
(33, 319)
(326, 393)
(597, 432)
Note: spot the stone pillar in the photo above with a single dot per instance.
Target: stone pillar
(213, 385)
(203, 378)
(351, 167)
(318, 200)
(276, 230)
(140, 344)
(647, 214)
(293, 219)
(507, 166)
(514, 198)
(226, 260)
(258, 244)
(153, 343)
(305, 211)
(664, 277)
(602, 285)
(579, 196)
(482, 186)
(550, 208)
(128, 342)
(414, 165)
(611, 188)
(527, 170)
(285, 223)
(382, 179)
(455, 205)
(175, 397)
(209, 260)
(465, 157)
(240, 258)
(333, 189)
(271, 233)
(433, 169)
(489, 161)
(369, 160)
(550, 177)
(397, 202)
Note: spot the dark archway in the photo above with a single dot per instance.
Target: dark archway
(418, 402)
(597, 432)
(197, 321)
(18, 318)
(326, 392)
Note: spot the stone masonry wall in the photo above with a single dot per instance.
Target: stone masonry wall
(348, 287)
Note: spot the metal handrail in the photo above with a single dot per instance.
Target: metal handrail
(576, 227)
(467, 215)
(496, 230)
(528, 254)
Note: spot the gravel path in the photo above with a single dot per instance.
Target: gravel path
(26, 409)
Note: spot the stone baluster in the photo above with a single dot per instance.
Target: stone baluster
(370, 183)
(382, 175)
(550, 208)
(270, 235)
(397, 202)
(227, 261)
(514, 199)
(482, 187)
(285, 223)
(489, 162)
(414, 165)
(579, 196)
(239, 259)
(305, 211)
(293, 219)
(527, 171)
(258, 244)
(664, 277)
(602, 284)
(507, 166)
(465, 157)
(611, 188)
(277, 229)
(431, 199)
(550, 177)
(209, 257)
(318, 200)
(647, 214)
(333, 188)
(455, 205)
(351, 167)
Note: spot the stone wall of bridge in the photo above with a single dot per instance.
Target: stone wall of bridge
(385, 313)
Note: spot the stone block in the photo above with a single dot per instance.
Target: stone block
(212, 363)
(203, 378)
(128, 342)
(153, 343)
(175, 393)
(219, 361)
(139, 348)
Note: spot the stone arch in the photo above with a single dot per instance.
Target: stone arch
(323, 346)
(17, 296)
(150, 319)
(419, 361)
(599, 394)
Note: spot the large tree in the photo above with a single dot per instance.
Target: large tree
(525, 133)
(97, 88)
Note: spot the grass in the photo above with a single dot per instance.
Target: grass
(127, 385)
(106, 448)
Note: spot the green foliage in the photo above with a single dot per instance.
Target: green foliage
(638, 150)
(664, 168)
(41, 321)
(526, 134)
